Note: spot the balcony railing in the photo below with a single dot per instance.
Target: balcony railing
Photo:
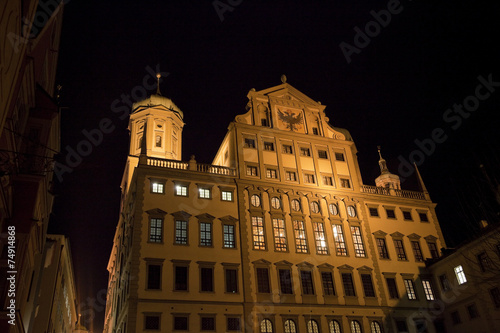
(191, 165)
(393, 192)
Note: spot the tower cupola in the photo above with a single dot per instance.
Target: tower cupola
(386, 178)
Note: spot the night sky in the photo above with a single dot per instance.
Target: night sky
(398, 86)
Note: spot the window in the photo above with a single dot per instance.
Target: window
(319, 236)
(208, 323)
(204, 193)
(315, 207)
(455, 318)
(231, 281)
(345, 183)
(392, 288)
(154, 277)
(495, 297)
(359, 248)
(433, 250)
(300, 236)
(444, 282)
(334, 326)
(484, 261)
(259, 242)
(391, 214)
(373, 211)
(366, 280)
(249, 143)
(205, 234)
(429, 294)
(327, 281)
(290, 326)
(312, 326)
(307, 282)
(255, 200)
(423, 217)
(207, 279)
(315, 131)
(275, 202)
(152, 322)
(355, 327)
(181, 278)
(266, 326)
(181, 323)
(351, 211)
(339, 157)
(407, 215)
(338, 235)
(155, 230)
(415, 245)
(157, 187)
(322, 154)
(226, 196)
(305, 151)
(333, 209)
(401, 326)
(285, 278)
(229, 241)
(348, 284)
(327, 180)
(291, 176)
(410, 289)
(472, 310)
(181, 235)
(181, 190)
(286, 149)
(252, 170)
(263, 122)
(382, 248)
(233, 324)
(400, 250)
(459, 272)
(279, 235)
(309, 178)
(295, 204)
(263, 280)
(271, 173)
(158, 141)
(269, 146)
(375, 327)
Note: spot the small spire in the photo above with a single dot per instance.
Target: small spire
(420, 180)
(283, 78)
(382, 163)
(158, 76)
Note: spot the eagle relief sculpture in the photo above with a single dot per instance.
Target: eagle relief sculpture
(290, 120)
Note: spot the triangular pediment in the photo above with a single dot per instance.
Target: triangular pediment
(156, 211)
(346, 267)
(283, 263)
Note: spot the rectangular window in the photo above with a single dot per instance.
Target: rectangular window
(157, 187)
(484, 261)
(285, 281)
(472, 310)
(204, 193)
(339, 157)
(345, 183)
(495, 297)
(181, 323)
(319, 236)
(327, 180)
(259, 242)
(269, 146)
(400, 250)
(251, 171)
(315, 131)
(231, 281)
(305, 151)
(410, 289)
(327, 280)
(407, 215)
(366, 280)
(249, 143)
(263, 280)
(205, 234)
(181, 235)
(433, 250)
(233, 324)
(229, 236)
(152, 322)
(429, 294)
(415, 245)
(382, 248)
(155, 230)
(392, 288)
(444, 282)
(154, 277)
(309, 178)
(338, 235)
(401, 326)
(207, 323)
(455, 318)
(322, 154)
(307, 282)
(391, 214)
(263, 122)
(423, 217)
(459, 272)
(271, 173)
(286, 149)
(373, 211)
(348, 284)
(181, 278)
(207, 278)
(181, 190)
(359, 248)
(300, 236)
(279, 235)
(291, 176)
(227, 196)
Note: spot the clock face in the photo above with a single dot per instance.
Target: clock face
(275, 203)
(351, 211)
(290, 119)
(255, 200)
(333, 209)
(295, 205)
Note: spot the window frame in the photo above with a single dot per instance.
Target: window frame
(348, 284)
(286, 285)
(307, 282)
(259, 239)
(320, 249)
(300, 236)
(280, 239)
(339, 238)
(357, 240)
(411, 292)
(460, 274)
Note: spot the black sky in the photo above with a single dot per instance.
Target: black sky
(395, 91)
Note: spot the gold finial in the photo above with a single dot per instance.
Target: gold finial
(158, 76)
(283, 78)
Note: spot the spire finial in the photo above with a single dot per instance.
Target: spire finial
(382, 163)
(283, 78)
(379, 154)
(158, 76)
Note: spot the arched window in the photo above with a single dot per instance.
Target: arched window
(266, 326)
(375, 327)
(312, 326)
(355, 327)
(334, 327)
(290, 326)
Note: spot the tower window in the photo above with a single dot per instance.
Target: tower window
(322, 154)
(269, 146)
(315, 131)
(423, 217)
(249, 143)
(305, 152)
(227, 196)
(339, 157)
(263, 122)
(390, 213)
(158, 141)
(459, 272)
(373, 211)
(286, 149)
(345, 183)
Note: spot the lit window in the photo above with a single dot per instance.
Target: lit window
(333, 209)
(271, 173)
(255, 200)
(359, 249)
(348, 284)
(309, 178)
(327, 180)
(266, 326)
(429, 294)
(314, 207)
(305, 151)
(300, 236)
(205, 234)
(410, 289)
(307, 282)
(415, 245)
(156, 230)
(319, 236)
(287, 149)
(375, 327)
(351, 211)
(275, 203)
(295, 204)
(157, 187)
(355, 327)
(382, 248)
(158, 141)
(279, 235)
(269, 146)
(312, 326)
(181, 190)
(334, 326)
(251, 170)
(291, 176)
(459, 272)
(229, 236)
(338, 235)
(249, 143)
(322, 154)
(204, 193)
(315, 131)
(259, 242)
(345, 183)
(400, 250)
(290, 326)
(227, 196)
(181, 232)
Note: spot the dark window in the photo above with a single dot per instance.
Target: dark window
(407, 215)
(327, 280)
(366, 279)
(444, 282)
(305, 151)
(345, 183)
(287, 149)
(181, 232)
(233, 324)
(181, 278)
(339, 157)
(322, 154)
(382, 248)
(207, 323)
(455, 318)
(484, 261)
(263, 280)
(249, 143)
(392, 288)
(495, 297)
(348, 284)
(229, 236)
(423, 217)
(152, 322)
(205, 234)
(390, 213)
(433, 250)
(373, 211)
(401, 326)
(400, 250)
(181, 323)
(315, 131)
(155, 230)
(269, 146)
(415, 245)
(231, 280)
(327, 180)
(285, 281)
(472, 310)
(263, 122)
(154, 276)
(307, 283)
(207, 279)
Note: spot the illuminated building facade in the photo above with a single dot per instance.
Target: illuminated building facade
(278, 234)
